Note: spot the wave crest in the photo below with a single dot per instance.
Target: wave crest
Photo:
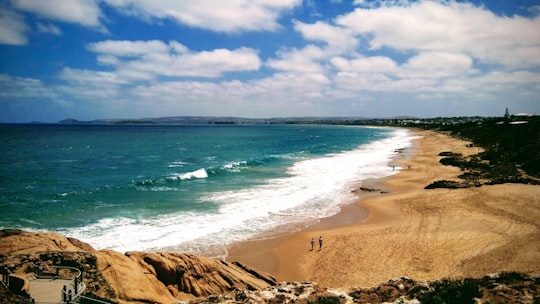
(199, 173)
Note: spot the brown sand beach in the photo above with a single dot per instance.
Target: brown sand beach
(411, 231)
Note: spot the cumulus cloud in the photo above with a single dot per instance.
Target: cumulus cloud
(97, 78)
(95, 86)
(276, 95)
(83, 12)
(126, 48)
(373, 64)
(334, 36)
(26, 88)
(305, 60)
(48, 28)
(12, 27)
(406, 51)
(449, 27)
(437, 65)
(220, 16)
(156, 58)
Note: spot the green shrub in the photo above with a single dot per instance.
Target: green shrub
(325, 300)
(450, 292)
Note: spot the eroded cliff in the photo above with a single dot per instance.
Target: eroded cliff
(133, 277)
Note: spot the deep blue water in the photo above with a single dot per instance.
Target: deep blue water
(182, 188)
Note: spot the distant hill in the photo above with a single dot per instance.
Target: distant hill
(190, 120)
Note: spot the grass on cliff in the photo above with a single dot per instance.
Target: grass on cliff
(325, 300)
(511, 150)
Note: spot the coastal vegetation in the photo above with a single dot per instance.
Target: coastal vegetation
(511, 151)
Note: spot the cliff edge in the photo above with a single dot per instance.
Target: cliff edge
(133, 277)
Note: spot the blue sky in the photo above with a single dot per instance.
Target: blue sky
(91, 59)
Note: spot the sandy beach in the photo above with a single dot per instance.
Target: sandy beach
(410, 231)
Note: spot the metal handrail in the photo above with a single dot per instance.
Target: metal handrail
(70, 294)
(5, 276)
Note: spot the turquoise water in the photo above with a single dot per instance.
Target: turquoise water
(183, 188)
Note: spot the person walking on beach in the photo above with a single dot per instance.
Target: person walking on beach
(312, 243)
(320, 243)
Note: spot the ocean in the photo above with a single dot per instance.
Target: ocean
(184, 188)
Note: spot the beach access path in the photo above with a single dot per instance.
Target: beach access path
(411, 231)
(47, 290)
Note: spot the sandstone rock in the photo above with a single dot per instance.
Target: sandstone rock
(130, 282)
(200, 276)
(134, 277)
(21, 242)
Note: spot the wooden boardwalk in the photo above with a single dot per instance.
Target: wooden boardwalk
(48, 290)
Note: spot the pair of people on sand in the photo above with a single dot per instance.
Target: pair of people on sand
(313, 243)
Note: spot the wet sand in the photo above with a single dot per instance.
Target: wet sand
(410, 231)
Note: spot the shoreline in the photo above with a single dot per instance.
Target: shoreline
(410, 231)
(257, 251)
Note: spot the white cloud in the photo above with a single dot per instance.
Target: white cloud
(95, 86)
(449, 27)
(293, 86)
(374, 64)
(282, 94)
(48, 28)
(83, 12)
(282, 85)
(201, 64)
(417, 77)
(407, 52)
(436, 65)
(12, 28)
(126, 48)
(87, 76)
(426, 71)
(306, 60)
(337, 37)
(147, 59)
(21, 87)
(502, 81)
(220, 16)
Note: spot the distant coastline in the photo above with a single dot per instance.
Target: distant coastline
(352, 120)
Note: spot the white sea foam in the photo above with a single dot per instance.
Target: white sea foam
(176, 164)
(234, 166)
(314, 188)
(200, 173)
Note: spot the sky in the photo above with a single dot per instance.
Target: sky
(98, 59)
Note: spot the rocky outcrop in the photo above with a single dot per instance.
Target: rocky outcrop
(15, 242)
(509, 287)
(448, 184)
(133, 277)
(199, 276)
